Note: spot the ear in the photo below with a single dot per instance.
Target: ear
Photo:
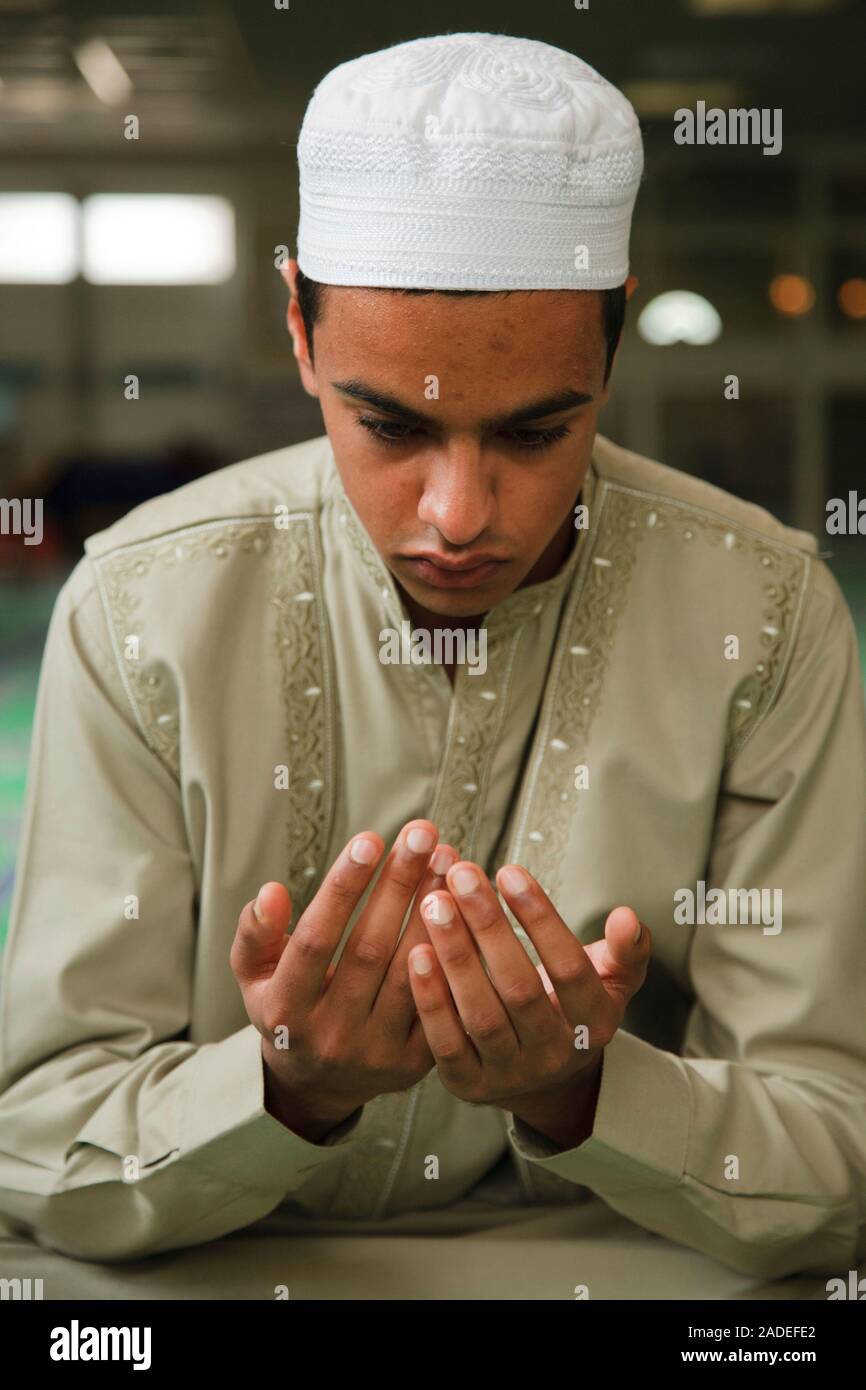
(298, 332)
(631, 285)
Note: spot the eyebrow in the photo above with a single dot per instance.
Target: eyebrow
(533, 410)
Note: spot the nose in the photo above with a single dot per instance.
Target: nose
(459, 493)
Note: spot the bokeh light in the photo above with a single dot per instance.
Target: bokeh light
(791, 294)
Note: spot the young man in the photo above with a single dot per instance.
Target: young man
(644, 707)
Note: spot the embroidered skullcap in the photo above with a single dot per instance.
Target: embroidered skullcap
(468, 161)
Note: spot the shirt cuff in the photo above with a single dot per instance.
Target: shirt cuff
(640, 1133)
(229, 1132)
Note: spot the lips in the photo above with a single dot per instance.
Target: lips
(457, 566)
(465, 576)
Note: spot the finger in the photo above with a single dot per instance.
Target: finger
(549, 990)
(621, 961)
(446, 1036)
(516, 982)
(260, 938)
(304, 963)
(568, 965)
(394, 1008)
(475, 997)
(367, 953)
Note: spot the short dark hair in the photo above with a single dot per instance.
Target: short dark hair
(612, 309)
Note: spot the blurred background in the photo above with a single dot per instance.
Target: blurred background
(153, 258)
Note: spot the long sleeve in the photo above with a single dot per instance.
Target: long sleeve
(751, 1145)
(118, 1138)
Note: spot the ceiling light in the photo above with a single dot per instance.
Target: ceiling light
(679, 317)
(102, 72)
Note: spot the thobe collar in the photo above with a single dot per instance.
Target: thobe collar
(514, 610)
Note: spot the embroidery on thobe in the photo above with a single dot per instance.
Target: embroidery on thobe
(474, 726)
(361, 542)
(787, 576)
(310, 702)
(785, 597)
(626, 517)
(376, 569)
(301, 647)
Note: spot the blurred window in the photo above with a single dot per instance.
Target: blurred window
(158, 239)
(38, 238)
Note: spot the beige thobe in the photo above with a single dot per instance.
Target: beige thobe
(231, 628)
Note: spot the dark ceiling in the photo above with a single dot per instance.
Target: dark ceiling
(236, 73)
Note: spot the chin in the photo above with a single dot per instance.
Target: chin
(457, 603)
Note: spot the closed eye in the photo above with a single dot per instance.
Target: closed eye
(391, 432)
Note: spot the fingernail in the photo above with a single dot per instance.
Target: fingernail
(422, 962)
(437, 910)
(362, 851)
(515, 880)
(257, 908)
(442, 860)
(465, 881)
(637, 936)
(419, 840)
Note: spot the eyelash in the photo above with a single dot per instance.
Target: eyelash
(532, 439)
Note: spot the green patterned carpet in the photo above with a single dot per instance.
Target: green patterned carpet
(24, 614)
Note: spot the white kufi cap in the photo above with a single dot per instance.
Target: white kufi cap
(468, 161)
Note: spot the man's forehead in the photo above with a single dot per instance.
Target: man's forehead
(565, 324)
(362, 299)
